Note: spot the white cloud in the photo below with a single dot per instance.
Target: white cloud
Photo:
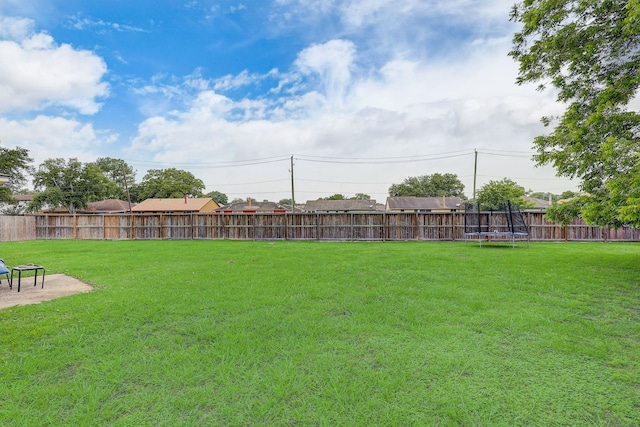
(231, 82)
(332, 62)
(35, 73)
(51, 137)
(15, 28)
(354, 14)
(86, 23)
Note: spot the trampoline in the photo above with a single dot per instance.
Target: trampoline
(506, 224)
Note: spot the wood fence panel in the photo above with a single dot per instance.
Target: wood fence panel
(270, 227)
(17, 228)
(540, 229)
(177, 227)
(239, 226)
(117, 227)
(402, 226)
(367, 226)
(203, 226)
(334, 227)
(148, 226)
(436, 226)
(89, 227)
(55, 227)
(316, 226)
(302, 226)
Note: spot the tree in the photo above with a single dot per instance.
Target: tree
(436, 185)
(168, 183)
(568, 194)
(218, 197)
(563, 213)
(589, 51)
(361, 196)
(120, 173)
(495, 194)
(69, 184)
(16, 163)
(334, 197)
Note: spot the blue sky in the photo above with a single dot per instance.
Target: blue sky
(362, 93)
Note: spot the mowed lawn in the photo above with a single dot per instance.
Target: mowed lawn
(186, 333)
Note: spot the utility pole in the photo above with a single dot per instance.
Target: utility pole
(293, 197)
(126, 186)
(475, 173)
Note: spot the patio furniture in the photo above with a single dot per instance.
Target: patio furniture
(28, 267)
(4, 270)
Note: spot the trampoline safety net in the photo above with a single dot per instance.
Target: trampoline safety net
(508, 221)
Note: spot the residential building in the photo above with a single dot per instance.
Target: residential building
(109, 206)
(539, 205)
(178, 205)
(252, 207)
(424, 204)
(341, 206)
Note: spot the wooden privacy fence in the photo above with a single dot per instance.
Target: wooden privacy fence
(17, 228)
(318, 226)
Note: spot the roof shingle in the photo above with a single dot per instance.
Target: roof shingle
(175, 205)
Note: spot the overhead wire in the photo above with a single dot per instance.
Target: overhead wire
(380, 160)
(214, 165)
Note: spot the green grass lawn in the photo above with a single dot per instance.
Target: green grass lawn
(186, 333)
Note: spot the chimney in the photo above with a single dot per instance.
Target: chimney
(249, 199)
(185, 199)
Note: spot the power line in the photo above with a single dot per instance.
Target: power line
(490, 150)
(213, 165)
(247, 183)
(378, 161)
(343, 182)
(521, 177)
(384, 158)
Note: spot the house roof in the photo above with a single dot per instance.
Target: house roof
(173, 205)
(109, 205)
(537, 203)
(340, 205)
(22, 197)
(433, 203)
(253, 206)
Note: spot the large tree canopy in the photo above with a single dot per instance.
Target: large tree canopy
(436, 185)
(119, 173)
(16, 163)
(218, 197)
(589, 51)
(167, 183)
(69, 184)
(495, 194)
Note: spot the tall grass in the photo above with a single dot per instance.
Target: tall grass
(307, 333)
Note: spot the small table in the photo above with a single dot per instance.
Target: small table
(31, 267)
